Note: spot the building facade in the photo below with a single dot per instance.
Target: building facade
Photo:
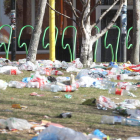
(26, 11)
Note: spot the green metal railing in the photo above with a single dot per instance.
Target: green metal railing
(96, 44)
(72, 57)
(43, 39)
(23, 44)
(127, 38)
(4, 44)
(110, 45)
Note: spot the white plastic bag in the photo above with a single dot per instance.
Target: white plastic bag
(3, 124)
(3, 85)
(60, 134)
(20, 124)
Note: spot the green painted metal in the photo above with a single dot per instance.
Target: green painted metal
(72, 57)
(23, 44)
(127, 38)
(110, 45)
(43, 39)
(96, 44)
(3, 44)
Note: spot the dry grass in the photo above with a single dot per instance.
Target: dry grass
(84, 118)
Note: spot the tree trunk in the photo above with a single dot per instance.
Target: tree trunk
(86, 52)
(32, 52)
(136, 32)
(86, 47)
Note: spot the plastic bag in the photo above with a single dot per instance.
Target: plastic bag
(104, 103)
(20, 124)
(3, 85)
(83, 72)
(61, 134)
(3, 124)
(28, 66)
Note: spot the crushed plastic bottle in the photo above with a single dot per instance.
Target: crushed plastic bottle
(45, 71)
(66, 115)
(57, 88)
(12, 71)
(16, 84)
(62, 79)
(130, 122)
(111, 119)
(68, 96)
(32, 84)
(133, 113)
(56, 72)
(134, 138)
(120, 92)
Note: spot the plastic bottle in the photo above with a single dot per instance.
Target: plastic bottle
(76, 84)
(134, 113)
(130, 122)
(83, 72)
(51, 87)
(68, 96)
(66, 115)
(57, 88)
(45, 71)
(111, 119)
(62, 79)
(26, 79)
(131, 87)
(56, 72)
(46, 87)
(33, 85)
(12, 72)
(106, 84)
(16, 84)
(100, 134)
(134, 138)
(119, 91)
(68, 88)
(137, 77)
(64, 65)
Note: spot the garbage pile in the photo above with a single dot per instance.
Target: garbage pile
(49, 76)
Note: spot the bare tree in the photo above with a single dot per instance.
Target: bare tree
(83, 20)
(136, 32)
(36, 32)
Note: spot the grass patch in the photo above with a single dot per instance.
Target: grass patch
(84, 118)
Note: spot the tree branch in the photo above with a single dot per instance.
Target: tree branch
(62, 14)
(98, 3)
(83, 3)
(82, 17)
(112, 21)
(73, 8)
(92, 26)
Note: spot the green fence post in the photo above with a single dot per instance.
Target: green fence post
(43, 39)
(110, 45)
(67, 45)
(23, 44)
(131, 45)
(3, 44)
